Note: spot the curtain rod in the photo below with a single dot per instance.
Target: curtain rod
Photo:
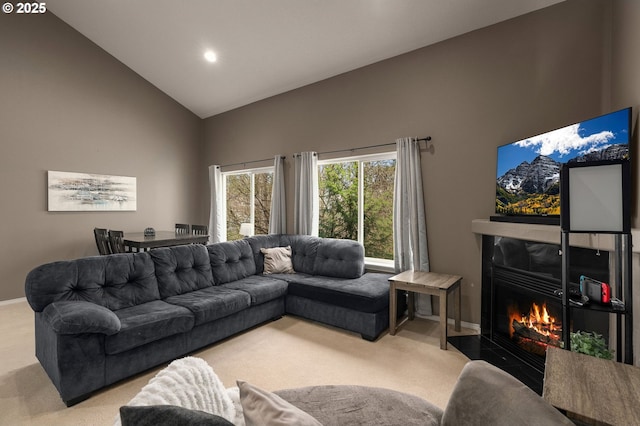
(249, 162)
(426, 138)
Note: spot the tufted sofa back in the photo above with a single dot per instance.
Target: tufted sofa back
(339, 258)
(231, 260)
(115, 282)
(182, 269)
(123, 280)
(313, 255)
(262, 241)
(304, 249)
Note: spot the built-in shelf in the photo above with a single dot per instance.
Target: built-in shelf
(547, 234)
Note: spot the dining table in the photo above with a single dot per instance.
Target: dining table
(138, 241)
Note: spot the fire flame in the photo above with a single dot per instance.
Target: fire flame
(538, 319)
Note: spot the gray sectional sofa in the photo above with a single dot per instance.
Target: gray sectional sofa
(101, 319)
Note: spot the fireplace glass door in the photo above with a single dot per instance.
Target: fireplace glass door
(522, 306)
(526, 320)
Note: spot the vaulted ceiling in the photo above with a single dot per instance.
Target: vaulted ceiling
(267, 47)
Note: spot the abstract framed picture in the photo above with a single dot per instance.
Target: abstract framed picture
(68, 191)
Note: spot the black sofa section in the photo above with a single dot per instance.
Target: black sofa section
(101, 319)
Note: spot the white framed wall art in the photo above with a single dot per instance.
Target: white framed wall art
(69, 191)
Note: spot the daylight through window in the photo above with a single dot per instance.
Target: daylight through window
(248, 200)
(356, 201)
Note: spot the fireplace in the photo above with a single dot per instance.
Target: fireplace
(522, 276)
(521, 299)
(527, 314)
(535, 330)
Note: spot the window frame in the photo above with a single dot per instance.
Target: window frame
(371, 262)
(251, 172)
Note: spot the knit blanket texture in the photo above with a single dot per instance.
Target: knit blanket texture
(190, 383)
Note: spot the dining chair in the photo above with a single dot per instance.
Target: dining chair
(116, 241)
(200, 229)
(102, 240)
(182, 228)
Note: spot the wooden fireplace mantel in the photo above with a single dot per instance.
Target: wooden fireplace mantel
(547, 234)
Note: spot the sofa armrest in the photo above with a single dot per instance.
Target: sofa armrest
(75, 317)
(486, 395)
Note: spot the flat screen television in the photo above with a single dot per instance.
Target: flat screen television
(528, 171)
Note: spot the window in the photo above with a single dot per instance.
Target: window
(248, 200)
(356, 201)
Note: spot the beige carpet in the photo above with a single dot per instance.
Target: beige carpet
(286, 353)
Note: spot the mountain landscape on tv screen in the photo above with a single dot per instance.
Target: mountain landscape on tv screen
(528, 178)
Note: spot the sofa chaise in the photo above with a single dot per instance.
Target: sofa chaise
(101, 319)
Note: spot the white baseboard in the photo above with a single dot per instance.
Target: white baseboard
(451, 321)
(12, 301)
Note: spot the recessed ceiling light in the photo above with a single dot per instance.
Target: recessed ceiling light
(210, 56)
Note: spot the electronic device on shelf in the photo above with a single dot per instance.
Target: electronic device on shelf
(595, 290)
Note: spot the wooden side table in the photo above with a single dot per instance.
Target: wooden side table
(431, 283)
(591, 390)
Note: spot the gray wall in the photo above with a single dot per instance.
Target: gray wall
(67, 105)
(625, 80)
(471, 94)
(625, 91)
(625, 74)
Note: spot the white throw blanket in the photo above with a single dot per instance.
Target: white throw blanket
(190, 383)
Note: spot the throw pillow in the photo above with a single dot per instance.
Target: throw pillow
(277, 260)
(168, 415)
(262, 407)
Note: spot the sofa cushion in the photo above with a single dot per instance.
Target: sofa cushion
(146, 323)
(212, 303)
(231, 260)
(289, 277)
(277, 260)
(339, 258)
(338, 405)
(486, 395)
(182, 269)
(74, 317)
(260, 288)
(369, 293)
(116, 281)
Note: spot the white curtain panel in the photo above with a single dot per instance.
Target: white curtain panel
(217, 220)
(306, 210)
(409, 221)
(278, 218)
